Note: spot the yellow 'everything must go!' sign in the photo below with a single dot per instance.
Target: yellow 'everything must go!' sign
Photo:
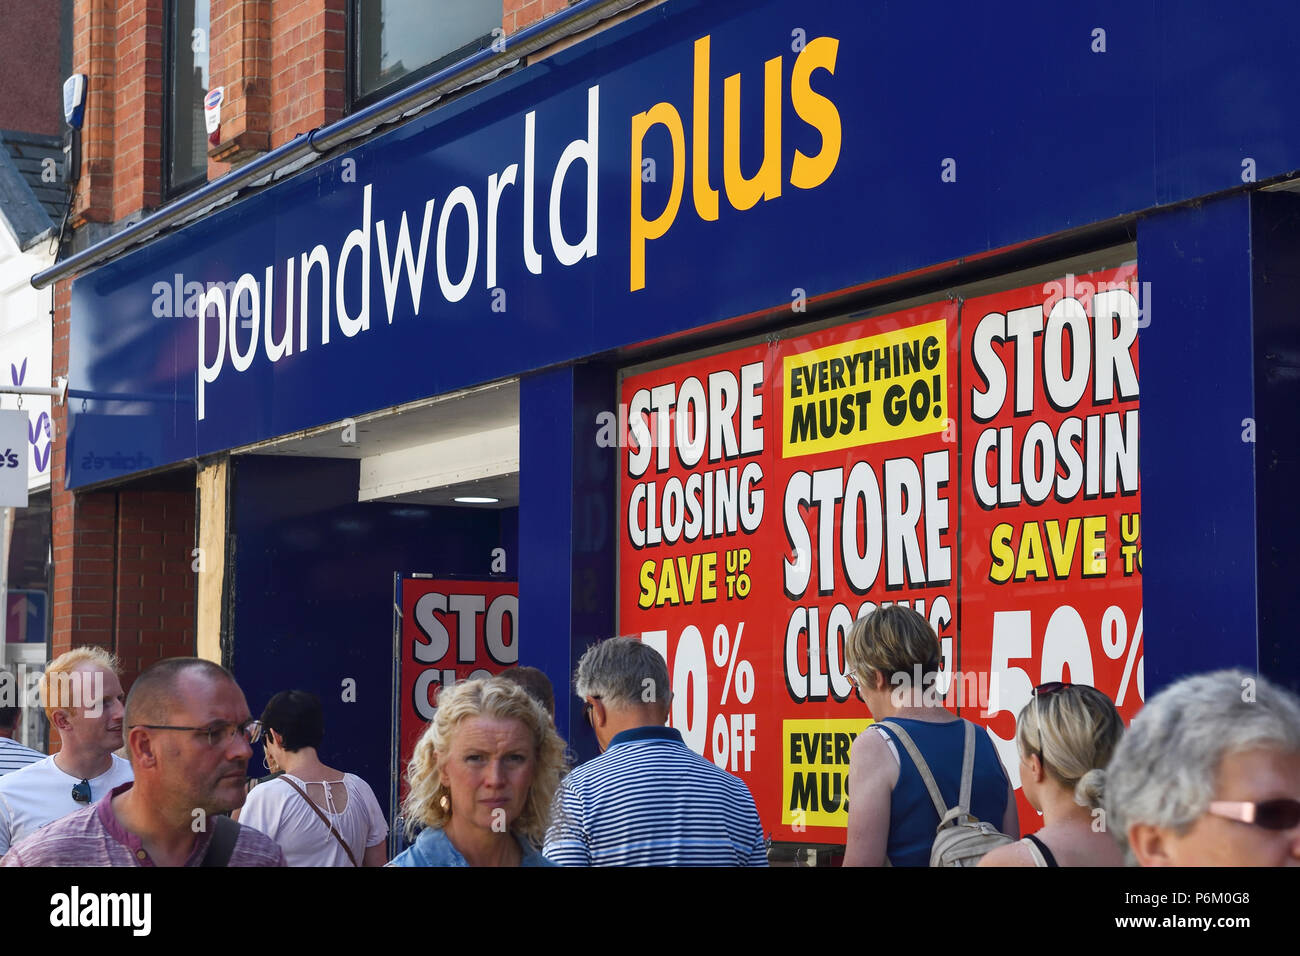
(875, 389)
(815, 771)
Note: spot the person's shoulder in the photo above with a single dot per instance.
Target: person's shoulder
(431, 848)
(533, 857)
(1012, 854)
(709, 770)
(26, 776)
(255, 848)
(590, 770)
(352, 781)
(121, 771)
(13, 750)
(67, 841)
(872, 745)
(257, 799)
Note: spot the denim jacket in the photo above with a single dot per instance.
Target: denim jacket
(432, 848)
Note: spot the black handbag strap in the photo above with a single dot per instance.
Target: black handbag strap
(225, 833)
(324, 819)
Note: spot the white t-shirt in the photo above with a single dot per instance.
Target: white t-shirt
(14, 756)
(280, 812)
(41, 793)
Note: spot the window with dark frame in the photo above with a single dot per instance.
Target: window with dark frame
(185, 146)
(397, 42)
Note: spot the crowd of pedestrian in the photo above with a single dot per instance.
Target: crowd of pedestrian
(1208, 773)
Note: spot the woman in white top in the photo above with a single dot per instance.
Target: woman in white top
(320, 816)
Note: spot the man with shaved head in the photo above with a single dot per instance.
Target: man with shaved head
(190, 733)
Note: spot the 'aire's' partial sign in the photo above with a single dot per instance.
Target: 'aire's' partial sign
(14, 429)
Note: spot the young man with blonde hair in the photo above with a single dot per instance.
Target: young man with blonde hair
(82, 695)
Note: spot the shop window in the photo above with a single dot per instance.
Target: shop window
(185, 148)
(396, 42)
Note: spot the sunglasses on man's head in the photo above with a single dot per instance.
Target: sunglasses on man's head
(1280, 814)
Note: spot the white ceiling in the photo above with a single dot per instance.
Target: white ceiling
(439, 421)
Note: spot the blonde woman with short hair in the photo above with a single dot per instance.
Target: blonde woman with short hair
(482, 779)
(893, 660)
(1066, 735)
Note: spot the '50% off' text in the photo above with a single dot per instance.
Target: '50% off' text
(733, 735)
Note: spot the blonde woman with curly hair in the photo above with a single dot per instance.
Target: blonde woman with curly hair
(1065, 735)
(482, 779)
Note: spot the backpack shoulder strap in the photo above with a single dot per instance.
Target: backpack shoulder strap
(967, 768)
(1032, 844)
(225, 833)
(940, 805)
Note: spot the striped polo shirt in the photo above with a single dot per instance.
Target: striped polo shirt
(14, 756)
(649, 800)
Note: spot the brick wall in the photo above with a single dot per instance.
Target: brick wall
(240, 62)
(30, 81)
(155, 580)
(308, 66)
(517, 14)
(94, 52)
(138, 93)
(283, 65)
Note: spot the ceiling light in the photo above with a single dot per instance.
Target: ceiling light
(476, 501)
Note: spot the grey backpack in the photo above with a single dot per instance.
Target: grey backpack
(960, 839)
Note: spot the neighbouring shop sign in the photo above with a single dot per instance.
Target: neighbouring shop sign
(975, 460)
(14, 426)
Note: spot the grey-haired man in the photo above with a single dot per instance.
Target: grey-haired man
(648, 799)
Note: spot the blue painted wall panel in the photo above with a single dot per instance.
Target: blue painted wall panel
(312, 592)
(1275, 247)
(546, 426)
(1198, 475)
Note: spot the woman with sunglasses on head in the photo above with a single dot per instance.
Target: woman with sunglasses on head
(482, 779)
(1065, 735)
(320, 816)
(892, 815)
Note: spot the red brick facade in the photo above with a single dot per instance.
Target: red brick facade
(308, 66)
(240, 57)
(29, 85)
(94, 24)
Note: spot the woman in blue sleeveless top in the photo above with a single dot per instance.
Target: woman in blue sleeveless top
(892, 819)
